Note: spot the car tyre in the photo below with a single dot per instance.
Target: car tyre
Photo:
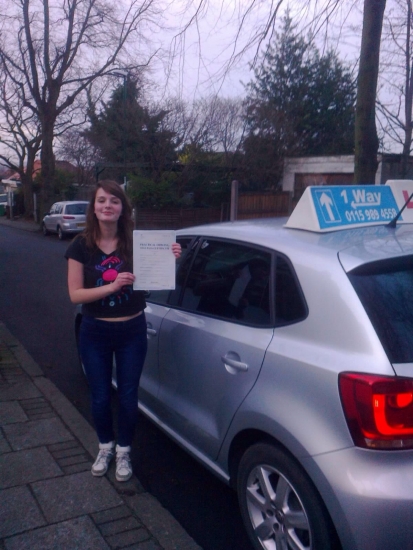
(60, 233)
(45, 231)
(279, 505)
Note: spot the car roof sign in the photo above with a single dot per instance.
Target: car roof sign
(331, 208)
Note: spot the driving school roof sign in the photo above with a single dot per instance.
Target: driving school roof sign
(323, 208)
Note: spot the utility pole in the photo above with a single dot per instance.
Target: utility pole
(233, 215)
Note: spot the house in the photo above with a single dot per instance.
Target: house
(300, 172)
(9, 185)
(37, 166)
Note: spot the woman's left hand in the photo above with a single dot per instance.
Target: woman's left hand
(176, 250)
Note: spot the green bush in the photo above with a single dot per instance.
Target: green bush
(146, 193)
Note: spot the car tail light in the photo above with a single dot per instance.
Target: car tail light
(69, 217)
(378, 410)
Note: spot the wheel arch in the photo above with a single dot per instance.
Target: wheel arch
(249, 437)
(241, 442)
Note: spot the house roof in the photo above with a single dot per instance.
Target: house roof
(37, 166)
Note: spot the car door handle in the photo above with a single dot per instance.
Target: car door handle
(237, 365)
(151, 331)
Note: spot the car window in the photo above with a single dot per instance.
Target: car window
(230, 281)
(76, 209)
(289, 301)
(165, 297)
(385, 290)
(58, 209)
(53, 209)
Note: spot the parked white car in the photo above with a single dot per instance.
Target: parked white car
(65, 218)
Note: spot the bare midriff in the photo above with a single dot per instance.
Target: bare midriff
(118, 319)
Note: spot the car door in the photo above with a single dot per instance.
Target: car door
(157, 308)
(212, 343)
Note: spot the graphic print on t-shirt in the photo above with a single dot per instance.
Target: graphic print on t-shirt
(110, 266)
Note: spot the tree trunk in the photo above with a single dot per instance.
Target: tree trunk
(366, 140)
(27, 188)
(48, 165)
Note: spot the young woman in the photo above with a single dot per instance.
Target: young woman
(100, 278)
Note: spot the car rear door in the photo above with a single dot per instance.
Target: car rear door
(213, 341)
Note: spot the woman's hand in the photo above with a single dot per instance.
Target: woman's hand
(81, 295)
(176, 250)
(123, 279)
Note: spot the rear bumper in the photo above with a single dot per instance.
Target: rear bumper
(67, 228)
(369, 495)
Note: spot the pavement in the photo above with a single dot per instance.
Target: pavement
(48, 497)
(20, 223)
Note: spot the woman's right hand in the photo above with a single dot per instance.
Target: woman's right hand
(81, 295)
(123, 279)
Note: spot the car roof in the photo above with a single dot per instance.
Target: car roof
(72, 202)
(353, 247)
(350, 223)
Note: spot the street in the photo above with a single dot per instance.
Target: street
(35, 307)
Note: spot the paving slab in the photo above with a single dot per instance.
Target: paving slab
(18, 511)
(48, 498)
(77, 534)
(4, 446)
(83, 494)
(11, 412)
(19, 468)
(157, 519)
(21, 389)
(127, 538)
(36, 433)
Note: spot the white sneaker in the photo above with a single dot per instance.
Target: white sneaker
(123, 464)
(105, 455)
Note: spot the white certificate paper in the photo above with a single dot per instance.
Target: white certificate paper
(153, 260)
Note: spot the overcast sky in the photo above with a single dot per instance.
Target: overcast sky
(202, 57)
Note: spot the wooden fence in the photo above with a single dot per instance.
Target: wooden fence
(175, 218)
(251, 205)
(264, 205)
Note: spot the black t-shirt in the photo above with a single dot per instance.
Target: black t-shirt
(101, 269)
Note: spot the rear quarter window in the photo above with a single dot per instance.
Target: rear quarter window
(385, 290)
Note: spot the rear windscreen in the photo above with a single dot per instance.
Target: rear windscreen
(385, 289)
(76, 209)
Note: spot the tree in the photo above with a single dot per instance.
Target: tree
(74, 147)
(396, 78)
(127, 133)
(53, 51)
(301, 102)
(21, 139)
(366, 139)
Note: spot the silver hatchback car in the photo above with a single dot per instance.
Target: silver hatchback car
(283, 361)
(65, 218)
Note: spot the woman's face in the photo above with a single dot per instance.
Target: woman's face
(108, 207)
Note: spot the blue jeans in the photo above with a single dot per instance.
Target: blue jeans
(98, 341)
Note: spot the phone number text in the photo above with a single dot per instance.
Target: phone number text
(370, 214)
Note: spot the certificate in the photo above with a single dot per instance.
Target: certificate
(153, 260)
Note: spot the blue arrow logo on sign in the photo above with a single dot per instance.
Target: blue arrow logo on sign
(328, 206)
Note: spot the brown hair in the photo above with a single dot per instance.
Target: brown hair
(125, 222)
